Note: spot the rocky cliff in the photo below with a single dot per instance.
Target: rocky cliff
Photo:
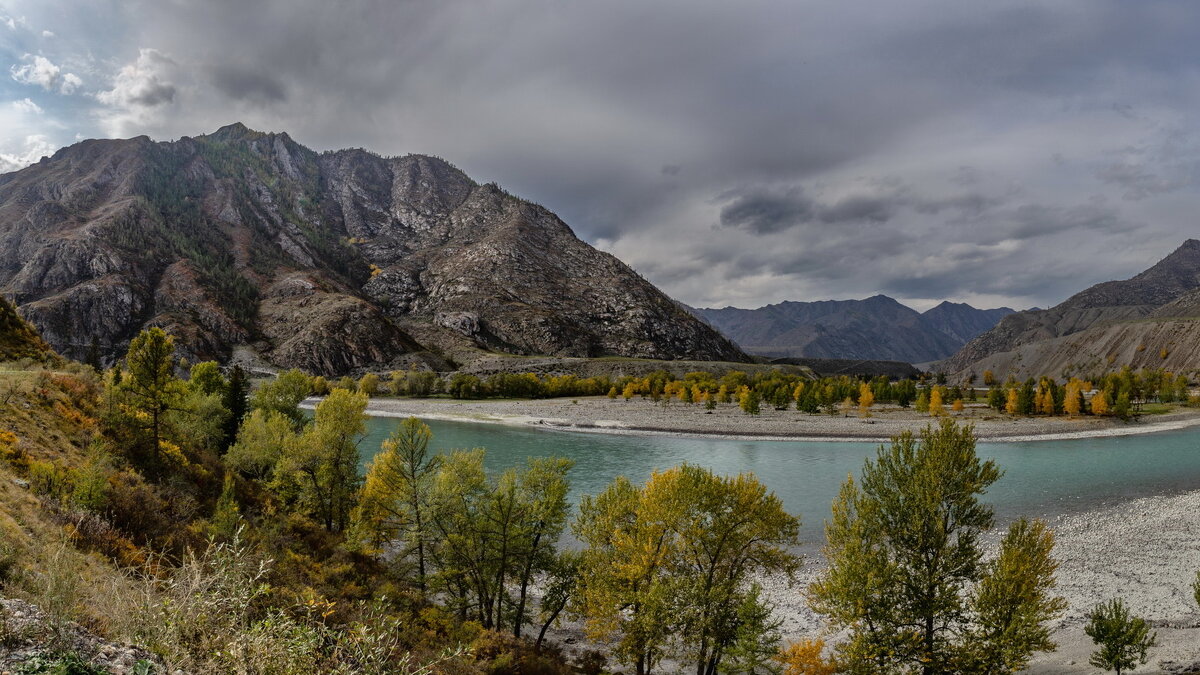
(1148, 320)
(332, 262)
(877, 328)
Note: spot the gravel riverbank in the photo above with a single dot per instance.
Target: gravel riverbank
(640, 416)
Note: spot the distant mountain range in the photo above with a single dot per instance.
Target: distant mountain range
(878, 327)
(1150, 320)
(248, 242)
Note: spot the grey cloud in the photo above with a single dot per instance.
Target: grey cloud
(626, 118)
(875, 209)
(241, 83)
(764, 212)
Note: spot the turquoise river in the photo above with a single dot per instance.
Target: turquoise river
(1041, 479)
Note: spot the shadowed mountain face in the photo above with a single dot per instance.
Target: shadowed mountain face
(1148, 320)
(875, 328)
(331, 262)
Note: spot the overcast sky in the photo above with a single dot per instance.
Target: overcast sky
(734, 153)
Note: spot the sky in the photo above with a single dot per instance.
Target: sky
(734, 153)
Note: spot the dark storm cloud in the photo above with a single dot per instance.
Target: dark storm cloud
(765, 212)
(242, 83)
(738, 153)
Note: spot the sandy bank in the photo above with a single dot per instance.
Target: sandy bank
(638, 416)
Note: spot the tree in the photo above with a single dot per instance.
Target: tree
(957, 406)
(398, 492)
(751, 402)
(1073, 399)
(936, 408)
(263, 439)
(284, 395)
(989, 378)
(151, 383)
(668, 565)
(906, 577)
(236, 401)
(1121, 408)
(369, 384)
(206, 378)
(93, 355)
(806, 658)
(1123, 639)
(1100, 403)
(321, 467)
(1012, 404)
(922, 405)
(866, 398)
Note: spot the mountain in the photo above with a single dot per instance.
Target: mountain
(962, 321)
(878, 328)
(332, 262)
(1132, 322)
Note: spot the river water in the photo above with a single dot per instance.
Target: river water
(1041, 478)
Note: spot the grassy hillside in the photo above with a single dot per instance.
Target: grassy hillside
(18, 339)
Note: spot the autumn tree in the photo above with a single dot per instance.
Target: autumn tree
(206, 378)
(666, 567)
(369, 384)
(866, 398)
(1073, 399)
(263, 439)
(751, 402)
(989, 378)
(284, 395)
(806, 657)
(320, 470)
(957, 406)
(906, 576)
(495, 532)
(936, 407)
(1123, 640)
(1012, 403)
(1100, 403)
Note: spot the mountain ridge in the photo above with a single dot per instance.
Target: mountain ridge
(1100, 327)
(874, 328)
(335, 261)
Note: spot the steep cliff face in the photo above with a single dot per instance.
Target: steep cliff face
(1041, 341)
(334, 262)
(875, 328)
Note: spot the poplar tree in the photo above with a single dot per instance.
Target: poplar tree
(667, 567)
(906, 577)
(866, 398)
(321, 468)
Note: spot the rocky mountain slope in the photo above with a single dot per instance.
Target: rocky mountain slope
(1115, 323)
(332, 262)
(878, 328)
(18, 339)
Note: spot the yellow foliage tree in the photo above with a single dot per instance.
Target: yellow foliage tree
(629, 391)
(958, 405)
(1013, 403)
(989, 378)
(797, 391)
(1071, 400)
(1100, 404)
(866, 398)
(805, 658)
(936, 407)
